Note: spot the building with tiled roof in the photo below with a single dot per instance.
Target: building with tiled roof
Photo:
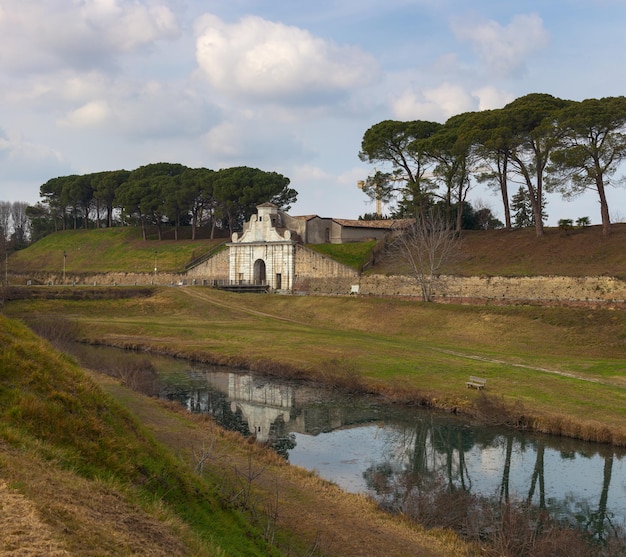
(270, 251)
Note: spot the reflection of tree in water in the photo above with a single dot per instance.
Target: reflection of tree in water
(453, 442)
(540, 475)
(432, 456)
(427, 468)
(280, 440)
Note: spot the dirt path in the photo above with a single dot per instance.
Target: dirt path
(195, 293)
(340, 524)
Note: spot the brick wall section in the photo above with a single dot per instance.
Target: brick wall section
(319, 274)
(566, 289)
(104, 279)
(215, 268)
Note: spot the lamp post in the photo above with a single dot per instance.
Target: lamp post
(155, 263)
(64, 258)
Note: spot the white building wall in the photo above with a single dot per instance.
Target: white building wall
(277, 256)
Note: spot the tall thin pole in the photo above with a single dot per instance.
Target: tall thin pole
(64, 257)
(155, 263)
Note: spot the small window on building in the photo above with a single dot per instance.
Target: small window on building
(327, 235)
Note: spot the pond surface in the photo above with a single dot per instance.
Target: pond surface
(368, 447)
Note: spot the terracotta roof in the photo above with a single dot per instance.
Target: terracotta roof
(305, 217)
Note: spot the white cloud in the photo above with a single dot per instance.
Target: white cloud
(41, 37)
(436, 104)
(504, 49)
(260, 59)
(18, 153)
(327, 193)
(129, 25)
(90, 114)
(255, 140)
(124, 106)
(490, 98)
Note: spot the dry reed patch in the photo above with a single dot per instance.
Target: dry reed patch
(22, 532)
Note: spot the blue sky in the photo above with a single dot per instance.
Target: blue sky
(91, 85)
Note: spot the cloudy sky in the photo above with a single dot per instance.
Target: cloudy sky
(286, 86)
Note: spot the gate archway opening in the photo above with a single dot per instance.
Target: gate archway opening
(259, 272)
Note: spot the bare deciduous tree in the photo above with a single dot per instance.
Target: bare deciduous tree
(428, 247)
(5, 219)
(21, 223)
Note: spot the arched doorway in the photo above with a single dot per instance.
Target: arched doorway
(259, 272)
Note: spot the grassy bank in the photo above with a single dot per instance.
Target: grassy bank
(107, 250)
(92, 474)
(556, 370)
(88, 467)
(579, 252)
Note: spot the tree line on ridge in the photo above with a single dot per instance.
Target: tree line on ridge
(538, 142)
(158, 194)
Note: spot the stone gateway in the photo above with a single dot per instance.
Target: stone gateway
(264, 253)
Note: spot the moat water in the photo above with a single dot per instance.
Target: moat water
(365, 446)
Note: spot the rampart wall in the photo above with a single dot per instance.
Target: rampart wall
(540, 288)
(321, 275)
(215, 268)
(318, 274)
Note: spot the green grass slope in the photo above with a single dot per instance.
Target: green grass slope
(91, 474)
(107, 250)
(578, 252)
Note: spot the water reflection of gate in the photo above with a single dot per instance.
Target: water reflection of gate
(494, 463)
(270, 408)
(262, 405)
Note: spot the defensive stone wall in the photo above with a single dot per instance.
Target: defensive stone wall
(321, 275)
(104, 279)
(215, 268)
(541, 288)
(313, 265)
(318, 274)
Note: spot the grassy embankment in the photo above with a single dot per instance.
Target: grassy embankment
(91, 474)
(87, 476)
(80, 475)
(553, 369)
(107, 250)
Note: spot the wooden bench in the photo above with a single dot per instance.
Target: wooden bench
(476, 382)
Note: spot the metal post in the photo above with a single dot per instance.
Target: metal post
(155, 263)
(64, 257)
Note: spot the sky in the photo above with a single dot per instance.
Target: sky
(280, 85)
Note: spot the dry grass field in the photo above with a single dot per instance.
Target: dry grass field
(577, 252)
